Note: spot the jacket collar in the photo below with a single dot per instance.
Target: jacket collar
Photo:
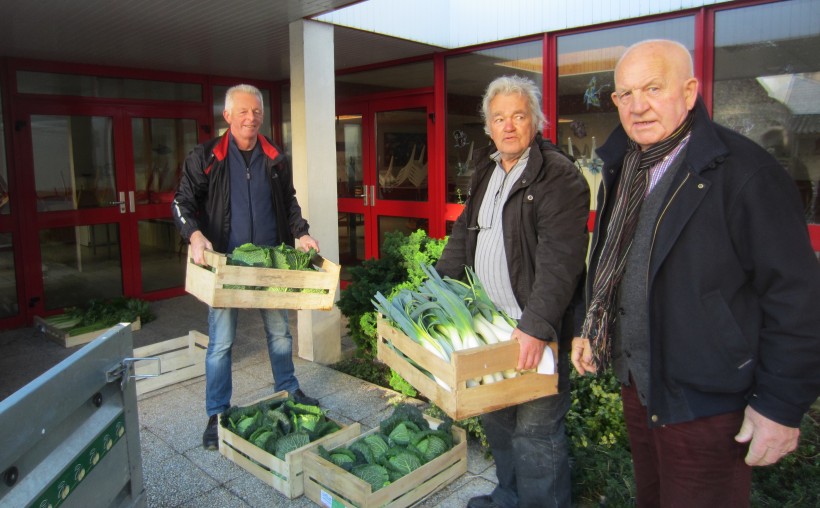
(704, 137)
(221, 148)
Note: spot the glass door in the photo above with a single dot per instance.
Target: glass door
(383, 148)
(158, 146)
(72, 228)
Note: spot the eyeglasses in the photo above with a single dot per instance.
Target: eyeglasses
(625, 97)
(496, 200)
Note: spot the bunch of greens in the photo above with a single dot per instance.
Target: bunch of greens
(101, 314)
(398, 266)
(279, 426)
(403, 443)
(282, 257)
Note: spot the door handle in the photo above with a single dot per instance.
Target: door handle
(365, 195)
(131, 206)
(121, 202)
(372, 195)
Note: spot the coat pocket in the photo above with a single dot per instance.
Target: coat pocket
(725, 358)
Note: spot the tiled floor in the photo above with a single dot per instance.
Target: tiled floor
(177, 471)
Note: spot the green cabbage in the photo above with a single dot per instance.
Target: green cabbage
(290, 442)
(373, 474)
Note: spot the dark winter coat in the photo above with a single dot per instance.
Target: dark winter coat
(545, 237)
(202, 200)
(733, 289)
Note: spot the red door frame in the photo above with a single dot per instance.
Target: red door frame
(368, 107)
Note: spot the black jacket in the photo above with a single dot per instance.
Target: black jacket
(545, 236)
(202, 200)
(733, 283)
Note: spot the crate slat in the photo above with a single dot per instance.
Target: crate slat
(459, 401)
(329, 485)
(207, 283)
(181, 359)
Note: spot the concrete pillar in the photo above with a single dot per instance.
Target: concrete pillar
(313, 110)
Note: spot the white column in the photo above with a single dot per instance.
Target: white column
(313, 110)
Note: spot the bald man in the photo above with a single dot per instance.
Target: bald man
(703, 292)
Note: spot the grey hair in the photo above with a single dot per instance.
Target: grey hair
(250, 89)
(508, 85)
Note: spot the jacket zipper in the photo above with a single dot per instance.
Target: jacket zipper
(250, 205)
(657, 225)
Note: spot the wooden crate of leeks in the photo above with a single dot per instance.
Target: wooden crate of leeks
(450, 342)
(407, 358)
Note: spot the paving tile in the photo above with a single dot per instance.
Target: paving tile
(171, 479)
(220, 496)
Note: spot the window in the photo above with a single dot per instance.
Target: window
(767, 85)
(50, 83)
(389, 79)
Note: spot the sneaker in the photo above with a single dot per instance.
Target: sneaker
(210, 438)
(299, 397)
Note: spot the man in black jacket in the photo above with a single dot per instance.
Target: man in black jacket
(703, 290)
(238, 189)
(523, 230)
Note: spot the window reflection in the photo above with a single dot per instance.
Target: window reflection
(73, 162)
(406, 225)
(160, 147)
(767, 85)
(349, 174)
(80, 263)
(351, 242)
(4, 187)
(401, 154)
(8, 278)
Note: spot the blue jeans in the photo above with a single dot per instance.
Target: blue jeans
(221, 334)
(531, 453)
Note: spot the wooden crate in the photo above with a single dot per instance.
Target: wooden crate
(283, 475)
(460, 401)
(64, 339)
(329, 485)
(180, 359)
(208, 283)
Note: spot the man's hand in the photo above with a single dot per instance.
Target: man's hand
(531, 350)
(308, 242)
(770, 441)
(581, 356)
(198, 245)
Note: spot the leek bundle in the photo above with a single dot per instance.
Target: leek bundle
(446, 315)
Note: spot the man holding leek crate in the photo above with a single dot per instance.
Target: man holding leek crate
(523, 231)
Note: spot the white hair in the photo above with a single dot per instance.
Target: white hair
(250, 89)
(508, 85)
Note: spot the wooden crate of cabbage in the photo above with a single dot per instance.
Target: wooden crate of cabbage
(220, 284)
(283, 474)
(329, 485)
(459, 400)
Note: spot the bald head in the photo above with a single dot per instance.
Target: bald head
(655, 89)
(673, 52)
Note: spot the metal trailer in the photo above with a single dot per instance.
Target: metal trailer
(71, 437)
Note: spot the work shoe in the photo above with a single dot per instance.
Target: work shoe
(210, 438)
(299, 397)
(482, 502)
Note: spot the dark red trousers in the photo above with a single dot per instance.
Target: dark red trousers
(687, 465)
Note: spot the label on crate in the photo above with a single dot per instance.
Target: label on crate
(327, 500)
